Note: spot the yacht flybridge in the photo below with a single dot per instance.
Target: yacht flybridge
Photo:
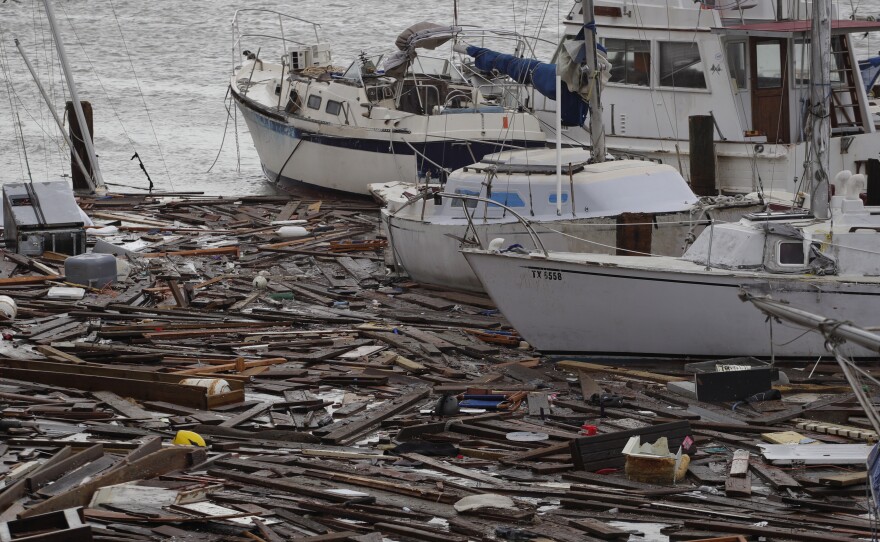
(744, 62)
(402, 117)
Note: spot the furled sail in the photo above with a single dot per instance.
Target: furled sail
(533, 72)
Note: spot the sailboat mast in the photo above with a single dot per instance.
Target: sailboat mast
(51, 107)
(820, 98)
(597, 129)
(96, 181)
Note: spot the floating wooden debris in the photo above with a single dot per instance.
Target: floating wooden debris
(315, 376)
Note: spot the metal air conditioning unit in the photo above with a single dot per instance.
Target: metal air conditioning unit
(300, 58)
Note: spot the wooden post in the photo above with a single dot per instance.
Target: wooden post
(79, 180)
(702, 154)
(873, 171)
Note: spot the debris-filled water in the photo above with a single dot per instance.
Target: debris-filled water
(233, 384)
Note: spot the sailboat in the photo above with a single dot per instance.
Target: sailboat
(400, 117)
(572, 199)
(823, 260)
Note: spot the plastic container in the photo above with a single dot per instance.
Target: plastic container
(215, 386)
(292, 232)
(66, 292)
(95, 270)
(8, 308)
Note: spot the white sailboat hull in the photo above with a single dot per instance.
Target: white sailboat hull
(587, 305)
(430, 251)
(287, 158)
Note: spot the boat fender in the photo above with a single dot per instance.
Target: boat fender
(8, 308)
(290, 232)
(496, 244)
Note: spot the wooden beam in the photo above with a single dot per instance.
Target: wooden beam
(155, 464)
(232, 251)
(575, 366)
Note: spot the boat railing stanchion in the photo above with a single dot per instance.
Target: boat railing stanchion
(254, 67)
(711, 237)
(536, 239)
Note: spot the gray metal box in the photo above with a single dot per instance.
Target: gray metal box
(39, 217)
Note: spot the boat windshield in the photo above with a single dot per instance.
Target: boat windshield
(366, 66)
(423, 65)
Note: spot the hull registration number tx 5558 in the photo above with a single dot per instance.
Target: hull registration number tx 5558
(546, 275)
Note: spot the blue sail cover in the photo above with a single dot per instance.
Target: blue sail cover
(540, 75)
(870, 69)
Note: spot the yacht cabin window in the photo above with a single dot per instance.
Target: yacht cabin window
(768, 58)
(801, 53)
(790, 253)
(630, 61)
(314, 101)
(333, 107)
(681, 65)
(736, 63)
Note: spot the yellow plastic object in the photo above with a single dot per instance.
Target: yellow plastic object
(188, 438)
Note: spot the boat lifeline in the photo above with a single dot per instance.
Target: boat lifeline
(399, 117)
(823, 261)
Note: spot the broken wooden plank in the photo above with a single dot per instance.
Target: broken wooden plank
(621, 371)
(349, 429)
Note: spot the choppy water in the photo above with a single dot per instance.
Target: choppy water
(181, 53)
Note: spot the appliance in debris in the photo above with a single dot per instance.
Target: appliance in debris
(92, 270)
(40, 217)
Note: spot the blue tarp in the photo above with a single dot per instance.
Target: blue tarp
(870, 69)
(536, 73)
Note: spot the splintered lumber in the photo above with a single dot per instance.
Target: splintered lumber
(606, 450)
(599, 529)
(539, 405)
(29, 280)
(142, 385)
(50, 472)
(154, 464)
(195, 252)
(236, 366)
(738, 486)
(767, 531)
(239, 419)
(774, 476)
(349, 429)
(54, 353)
(796, 411)
(119, 404)
(705, 475)
(453, 469)
(620, 371)
(844, 480)
(739, 466)
(19, 488)
(417, 534)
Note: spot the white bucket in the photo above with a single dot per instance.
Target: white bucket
(215, 386)
(290, 232)
(8, 308)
